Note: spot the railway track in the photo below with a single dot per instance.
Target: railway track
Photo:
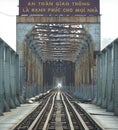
(58, 111)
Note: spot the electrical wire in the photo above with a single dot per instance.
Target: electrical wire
(9, 15)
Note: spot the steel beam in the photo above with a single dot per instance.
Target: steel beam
(1, 78)
(58, 19)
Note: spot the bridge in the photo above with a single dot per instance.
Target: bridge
(58, 46)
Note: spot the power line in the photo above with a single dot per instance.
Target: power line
(9, 15)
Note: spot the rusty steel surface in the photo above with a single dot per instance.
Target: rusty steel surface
(59, 37)
(55, 41)
(61, 19)
(58, 41)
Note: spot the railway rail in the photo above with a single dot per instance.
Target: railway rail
(58, 111)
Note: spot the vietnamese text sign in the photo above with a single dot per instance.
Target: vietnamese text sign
(58, 7)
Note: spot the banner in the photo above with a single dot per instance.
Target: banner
(59, 7)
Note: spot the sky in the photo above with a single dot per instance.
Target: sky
(108, 11)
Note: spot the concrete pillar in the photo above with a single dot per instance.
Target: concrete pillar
(116, 77)
(1, 78)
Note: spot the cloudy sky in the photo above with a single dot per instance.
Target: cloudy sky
(108, 11)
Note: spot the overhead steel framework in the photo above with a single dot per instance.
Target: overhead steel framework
(58, 41)
(61, 44)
